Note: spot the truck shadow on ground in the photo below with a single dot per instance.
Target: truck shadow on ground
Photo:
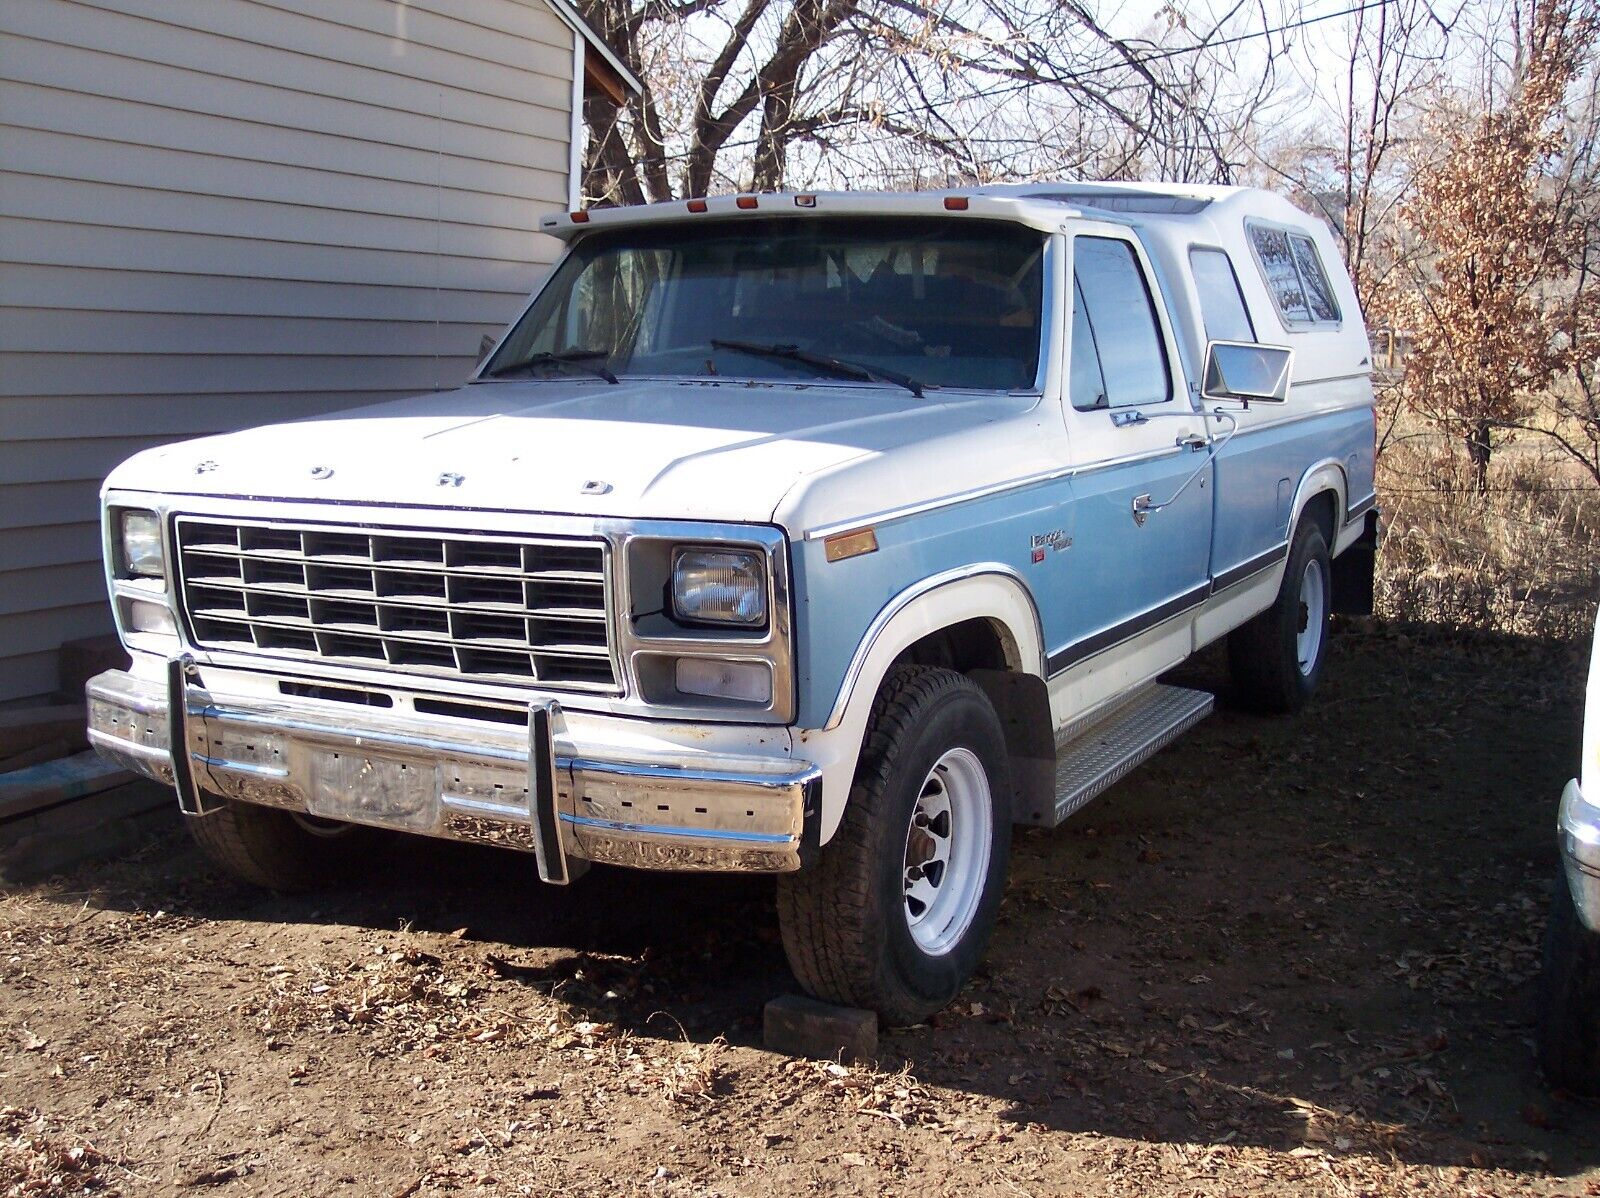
(1320, 932)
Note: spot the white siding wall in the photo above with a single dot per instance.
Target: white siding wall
(216, 213)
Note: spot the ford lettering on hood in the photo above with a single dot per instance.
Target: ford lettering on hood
(685, 450)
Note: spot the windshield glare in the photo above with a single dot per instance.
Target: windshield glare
(947, 302)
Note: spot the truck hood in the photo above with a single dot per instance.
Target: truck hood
(727, 450)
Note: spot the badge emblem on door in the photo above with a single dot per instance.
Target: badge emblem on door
(1056, 539)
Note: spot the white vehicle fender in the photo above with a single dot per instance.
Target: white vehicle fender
(987, 591)
(1326, 475)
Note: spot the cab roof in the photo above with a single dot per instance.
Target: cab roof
(1040, 205)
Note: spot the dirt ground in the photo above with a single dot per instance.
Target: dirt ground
(1287, 956)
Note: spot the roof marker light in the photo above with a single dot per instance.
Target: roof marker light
(956, 203)
(747, 201)
(805, 201)
(579, 218)
(696, 205)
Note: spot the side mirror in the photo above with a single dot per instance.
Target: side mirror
(1241, 371)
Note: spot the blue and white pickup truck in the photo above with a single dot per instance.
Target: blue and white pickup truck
(826, 536)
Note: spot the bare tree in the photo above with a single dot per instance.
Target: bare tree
(1350, 160)
(889, 91)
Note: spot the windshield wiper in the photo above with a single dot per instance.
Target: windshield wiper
(837, 366)
(584, 359)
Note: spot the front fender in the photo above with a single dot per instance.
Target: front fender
(988, 591)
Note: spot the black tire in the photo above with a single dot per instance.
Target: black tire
(844, 919)
(1263, 655)
(1569, 999)
(278, 850)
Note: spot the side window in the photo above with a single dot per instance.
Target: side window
(1112, 301)
(1221, 302)
(1294, 274)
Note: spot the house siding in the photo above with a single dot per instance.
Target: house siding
(215, 213)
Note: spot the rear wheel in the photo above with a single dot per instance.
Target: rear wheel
(281, 850)
(895, 914)
(1276, 659)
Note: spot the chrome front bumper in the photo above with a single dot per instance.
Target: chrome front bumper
(526, 787)
(1578, 826)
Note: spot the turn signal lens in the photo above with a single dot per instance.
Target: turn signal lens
(746, 681)
(850, 544)
(144, 616)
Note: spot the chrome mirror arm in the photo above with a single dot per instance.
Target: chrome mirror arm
(1142, 505)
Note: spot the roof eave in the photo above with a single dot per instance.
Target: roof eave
(573, 18)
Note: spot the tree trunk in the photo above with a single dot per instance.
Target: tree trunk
(1478, 450)
(772, 143)
(609, 176)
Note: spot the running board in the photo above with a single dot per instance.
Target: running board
(1110, 748)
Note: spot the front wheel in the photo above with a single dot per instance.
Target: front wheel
(895, 914)
(281, 850)
(1276, 659)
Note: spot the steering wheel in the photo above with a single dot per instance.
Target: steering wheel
(879, 334)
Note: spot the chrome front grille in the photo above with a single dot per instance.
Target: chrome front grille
(503, 609)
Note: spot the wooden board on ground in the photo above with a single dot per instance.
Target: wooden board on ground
(27, 729)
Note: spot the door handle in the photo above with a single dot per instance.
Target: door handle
(1144, 507)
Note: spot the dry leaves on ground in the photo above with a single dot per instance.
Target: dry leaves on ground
(40, 1161)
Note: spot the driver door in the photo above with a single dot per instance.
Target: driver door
(1135, 441)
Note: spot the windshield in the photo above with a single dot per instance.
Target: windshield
(937, 302)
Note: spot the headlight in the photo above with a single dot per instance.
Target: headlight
(139, 542)
(719, 586)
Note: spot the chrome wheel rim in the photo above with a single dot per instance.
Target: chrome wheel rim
(1313, 615)
(948, 842)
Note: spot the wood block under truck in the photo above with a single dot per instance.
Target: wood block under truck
(824, 536)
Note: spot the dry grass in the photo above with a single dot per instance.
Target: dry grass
(691, 1079)
(1522, 560)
